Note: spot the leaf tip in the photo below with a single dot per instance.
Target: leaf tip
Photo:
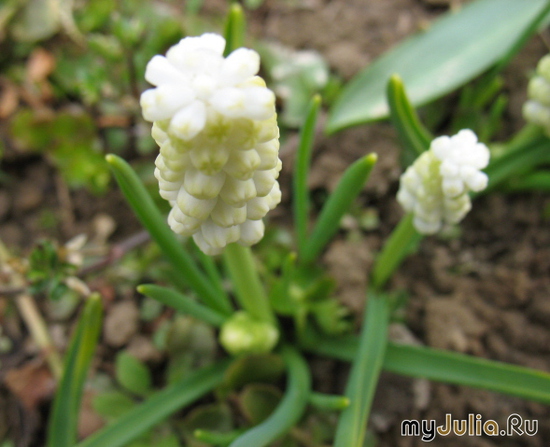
(371, 158)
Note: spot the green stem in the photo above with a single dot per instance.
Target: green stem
(248, 288)
(149, 215)
(291, 407)
(399, 244)
(365, 372)
(209, 266)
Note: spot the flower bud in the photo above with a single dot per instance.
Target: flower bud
(435, 188)
(216, 126)
(242, 334)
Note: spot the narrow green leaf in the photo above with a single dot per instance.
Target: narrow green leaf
(132, 374)
(291, 408)
(444, 366)
(301, 173)
(365, 371)
(182, 303)
(66, 405)
(517, 161)
(454, 50)
(328, 401)
(536, 181)
(235, 28)
(157, 408)
(398, 245)
(149, 215)
(348, 188)
(451, 367)
(414, 137)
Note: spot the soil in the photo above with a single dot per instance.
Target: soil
(483, 292)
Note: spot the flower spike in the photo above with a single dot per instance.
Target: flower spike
(435, 188)
(537, 109)
(216, 126)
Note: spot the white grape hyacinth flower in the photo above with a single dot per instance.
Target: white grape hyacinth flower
(216, 125)
(435, 188)
(536, 109)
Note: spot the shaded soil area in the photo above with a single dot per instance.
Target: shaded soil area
(484, 291)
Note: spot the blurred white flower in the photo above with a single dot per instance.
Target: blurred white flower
(537, 108)
(216, 126)
(435, 188)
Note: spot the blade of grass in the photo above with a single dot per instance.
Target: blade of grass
(158, 407)
(518, 161)
(289, 410)
(234, 29)
(64, 419)
(301, 174)
(414, 137)
(451, 367)
(444, 366)
(536, 181)
(328, 401)
(182, 303)
(348, 188)
(365, 371)
(149, 215)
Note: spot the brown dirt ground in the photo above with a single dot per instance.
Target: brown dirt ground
(484, 293)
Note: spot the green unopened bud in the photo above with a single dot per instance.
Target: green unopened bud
(242, 334)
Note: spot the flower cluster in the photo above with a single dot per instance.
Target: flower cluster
(435, 188)
(216, 126)
(537, 109)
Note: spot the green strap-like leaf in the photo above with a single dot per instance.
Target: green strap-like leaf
(157, 407)
(235, 28)
(444, 366)
(182, 303)
(66, 405)
(348, 188)
(150, 217)
(518, 160)
(289, 410)
(454, 50)
(329, 401)
(536, 181)
(414, 137)
(365, 371)
(300, 191)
